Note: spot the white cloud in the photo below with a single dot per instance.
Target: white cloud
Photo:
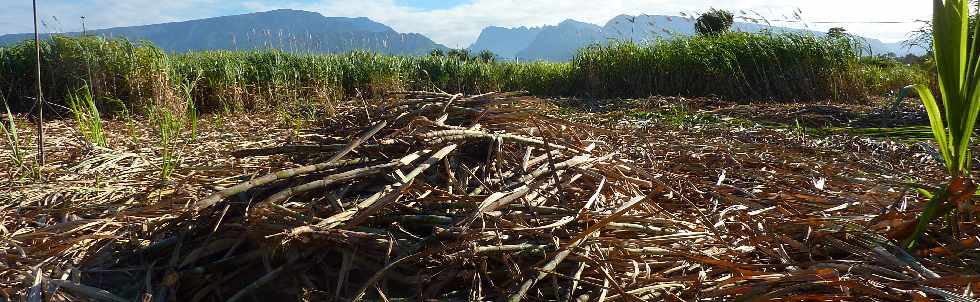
(64, 16)
(459, 26)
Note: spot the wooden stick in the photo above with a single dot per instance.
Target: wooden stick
(40, 94)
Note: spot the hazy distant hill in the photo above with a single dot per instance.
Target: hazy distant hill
(292, 30)
(505, 42)
(559, 42)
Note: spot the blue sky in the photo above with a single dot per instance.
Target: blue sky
(457, 23)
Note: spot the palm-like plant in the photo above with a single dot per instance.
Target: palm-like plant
(958, 65)
(714, 21)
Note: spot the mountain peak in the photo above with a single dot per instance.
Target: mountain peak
(623, 17)
(505, 42)
(576, 23)
(287, 11)
(286, 29)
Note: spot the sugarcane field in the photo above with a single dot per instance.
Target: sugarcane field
(693, 154)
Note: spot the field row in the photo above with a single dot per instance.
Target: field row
(781, 67)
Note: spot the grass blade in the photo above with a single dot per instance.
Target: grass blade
(936, 123)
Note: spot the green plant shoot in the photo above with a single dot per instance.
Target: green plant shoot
(958, 66)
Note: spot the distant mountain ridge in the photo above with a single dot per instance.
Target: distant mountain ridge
(506, 42)
(292, 30)
(560, 42)
(303, 31)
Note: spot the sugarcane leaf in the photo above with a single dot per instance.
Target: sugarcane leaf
(928, 214)
(936, 123)
(926, 193)
(956, 80)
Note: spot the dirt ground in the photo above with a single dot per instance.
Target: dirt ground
(546, 200)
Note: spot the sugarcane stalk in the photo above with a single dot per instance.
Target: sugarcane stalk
(550, 266)
(439, 137)
(269, 178)
(367, 207)
(330, 180)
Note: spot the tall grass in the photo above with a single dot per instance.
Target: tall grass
(12, 138)
(733, 65)
(190, 106)
(168, 129)
(137, 73)
(882, 79)
(22, 168)
(264, 79)
(87, 116)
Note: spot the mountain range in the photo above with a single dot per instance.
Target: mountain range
(302, 31)
(291, 30)
(559, 42)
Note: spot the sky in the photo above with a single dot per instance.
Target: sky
(457, 23)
